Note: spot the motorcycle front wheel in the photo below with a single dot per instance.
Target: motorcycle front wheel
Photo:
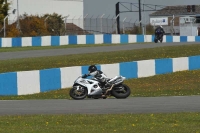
(78, 94)
(121, 91)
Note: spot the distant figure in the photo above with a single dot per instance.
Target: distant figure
(159, 32)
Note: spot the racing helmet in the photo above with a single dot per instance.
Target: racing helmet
(92, 70)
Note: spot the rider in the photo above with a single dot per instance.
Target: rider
(159, 30)
(99, 75)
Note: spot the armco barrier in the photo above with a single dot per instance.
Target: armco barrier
(30, 82)
(89, 39)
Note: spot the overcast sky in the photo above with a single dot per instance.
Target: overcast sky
(107, 7)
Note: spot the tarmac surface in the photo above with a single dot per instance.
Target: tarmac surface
(83, 50)
(102, 106)
(96, 106)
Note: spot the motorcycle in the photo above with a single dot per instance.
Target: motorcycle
(158, 37)
(92, 88)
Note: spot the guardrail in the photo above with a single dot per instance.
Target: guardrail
(89, 39)
(30, 82)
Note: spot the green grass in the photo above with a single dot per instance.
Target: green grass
(98, 58)
(109, 123)
(174, 84)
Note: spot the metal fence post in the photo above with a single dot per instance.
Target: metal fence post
(172, 25)
(96, 23)
(4, 24)
(123, 25)
(90, 23)
(66, 23)
(115, 22)
(102, 23)
(79, 21)
(84, 22)
(45, 21)
(73, 23)
(107, 23)
(129, 22)
(18, 24)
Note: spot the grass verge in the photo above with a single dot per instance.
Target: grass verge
(109, 123)
(174, 84)
(97, 58)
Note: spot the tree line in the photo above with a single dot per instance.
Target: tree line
(36, 26)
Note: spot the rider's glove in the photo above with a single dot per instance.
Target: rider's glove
(84, 76)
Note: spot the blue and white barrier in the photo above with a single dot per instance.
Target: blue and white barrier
(30, 82)
(89, 39)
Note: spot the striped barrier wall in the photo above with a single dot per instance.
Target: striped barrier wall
(30, 82)
(89, 39)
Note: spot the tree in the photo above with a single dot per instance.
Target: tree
(3, 13)
(32, 26)
(12, 31)
(4, 7)
(37, 26)
(54, 23)
(29, 26)
(136, 30)
(149, 29)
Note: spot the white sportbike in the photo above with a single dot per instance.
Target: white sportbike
(92, 88)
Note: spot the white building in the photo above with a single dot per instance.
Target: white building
(71, 8)
(178, 20)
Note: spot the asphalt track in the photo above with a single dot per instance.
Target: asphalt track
(82, 50)
(97, 106)
(102, 106)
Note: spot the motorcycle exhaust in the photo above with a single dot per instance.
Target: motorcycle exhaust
(118, 82)
(108, 91)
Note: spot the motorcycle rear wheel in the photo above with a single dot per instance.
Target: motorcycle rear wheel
(121, 91)
(161, 40)
(156, 40)
(78, 95)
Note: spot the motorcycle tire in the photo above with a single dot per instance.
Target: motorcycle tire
(161, 40)
(75, 96)
(156, 40)
(119, 94)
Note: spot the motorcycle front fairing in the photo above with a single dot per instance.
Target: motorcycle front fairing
(91, 85)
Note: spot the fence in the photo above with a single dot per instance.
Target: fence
(96, 25)
(101, 25)
(92, 25)
(74, 26)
